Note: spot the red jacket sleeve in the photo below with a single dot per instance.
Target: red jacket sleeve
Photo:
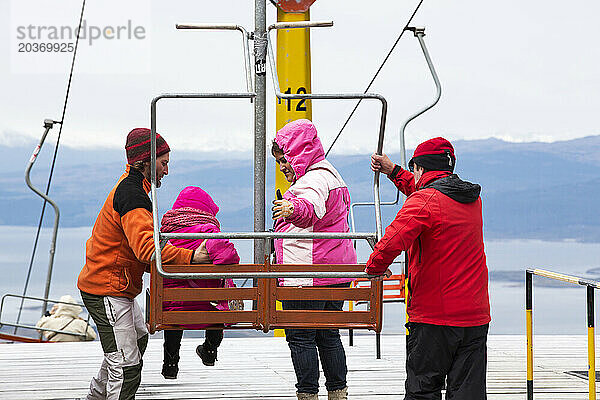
(403, 179)
(412, 219)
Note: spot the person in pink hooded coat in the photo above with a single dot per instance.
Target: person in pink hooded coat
(317, 201)
(194, 211)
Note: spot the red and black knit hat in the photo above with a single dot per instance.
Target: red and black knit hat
(137, 145)
(435, 154)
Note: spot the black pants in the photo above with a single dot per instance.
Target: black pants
(304, 344)
(212, 340)
(435, 353)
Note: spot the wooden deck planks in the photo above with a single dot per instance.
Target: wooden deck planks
(260, 368)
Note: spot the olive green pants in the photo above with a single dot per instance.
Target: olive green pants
(124, 337)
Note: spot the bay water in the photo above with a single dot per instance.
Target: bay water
(558, 308)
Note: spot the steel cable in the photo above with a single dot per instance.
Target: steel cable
(376, 74)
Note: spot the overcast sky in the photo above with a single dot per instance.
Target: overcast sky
(515, 70)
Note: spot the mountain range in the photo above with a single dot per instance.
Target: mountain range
(530, 190)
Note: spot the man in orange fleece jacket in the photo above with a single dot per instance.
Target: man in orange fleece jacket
(117, 255)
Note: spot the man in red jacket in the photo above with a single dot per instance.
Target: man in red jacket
(440, 225)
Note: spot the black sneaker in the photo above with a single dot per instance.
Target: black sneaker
(170, 366)
(208, 356)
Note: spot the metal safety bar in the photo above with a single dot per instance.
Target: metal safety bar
(48, 124)
(236, 235)
(301, 24)
(45, 300)
(270, 235)
(153, 104)
(419, 34)
(228, 27)
(590, 285)
(265, 236)
(258, 275)
(332, 96)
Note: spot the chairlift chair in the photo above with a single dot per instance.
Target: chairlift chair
(265, 315)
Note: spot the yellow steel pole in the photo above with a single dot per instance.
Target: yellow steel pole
(293, 69)
(591, 344)
(529, 324)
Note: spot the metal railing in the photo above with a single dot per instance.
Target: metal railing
(228, 27)
(48, 124)
(45, 301)
(590, 285)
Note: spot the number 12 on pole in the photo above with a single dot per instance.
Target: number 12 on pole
(301, 106)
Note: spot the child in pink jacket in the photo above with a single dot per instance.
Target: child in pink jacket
(194, 211)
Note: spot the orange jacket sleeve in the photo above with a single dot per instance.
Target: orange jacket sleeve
(138, 228)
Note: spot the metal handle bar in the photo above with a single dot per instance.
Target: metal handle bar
(591, 335)
(45, 300)
(270, 235)
(36, 298)
(300, 24)
(565, 278)
(226, 95)
(419, 33)
(48, 124)
(209, 26)
(252, 275)
(335, 96)
(155, 222)
(228, 27)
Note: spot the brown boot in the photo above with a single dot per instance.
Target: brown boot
(341, 394)
(307, 396)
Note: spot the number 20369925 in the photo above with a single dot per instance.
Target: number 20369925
(35, 47)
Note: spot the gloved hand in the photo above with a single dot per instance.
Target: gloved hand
(282, 208)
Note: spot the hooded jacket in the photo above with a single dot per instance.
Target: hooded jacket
(440, 225)
(65, 317)
(220, 251)
(119, 250)
(321, 204)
